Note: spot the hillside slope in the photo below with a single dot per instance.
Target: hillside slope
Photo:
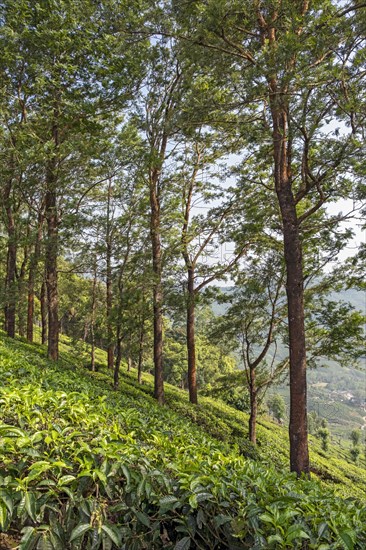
(86, 467)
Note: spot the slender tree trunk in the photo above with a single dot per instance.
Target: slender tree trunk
(32, 278)
(92, 323)
(109, 283)
(191, 344)
(299, 454)
(10, 295)
(44, 313)
(117, 365)
(51, 266)
(157, 293)
(253, 406)
(22, 291)
(119, 324)
(141, 352)
(110, 348)
(86, 332)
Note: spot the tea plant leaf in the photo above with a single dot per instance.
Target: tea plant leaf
(112, 533)
(183, 544)
(30, 505)
(143, 518)
(79, 531)
(29, 538)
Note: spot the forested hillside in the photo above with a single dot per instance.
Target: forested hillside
(152, 154)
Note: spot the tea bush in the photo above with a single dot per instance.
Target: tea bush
(85, 467)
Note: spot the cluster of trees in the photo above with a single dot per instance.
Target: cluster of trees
(139, 139)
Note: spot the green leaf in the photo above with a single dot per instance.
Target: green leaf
(183, 544)
(167, 500)
(168, 503)
(193, 502)
(79, 531)
(30, 505)
(29, 538)
(201, 519)
(322, 528)
(267, 518)
(65, 480)
(44, 542)
(297, 533)
(201, 497)
(10, 431)
(126, 473)
(143, 518)
(112, 532)
(345, 536)
(275, 538)
(221, 520)
(3, 516)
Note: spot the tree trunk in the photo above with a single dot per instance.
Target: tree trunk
(141, 352)
(32, 278)
(157, 293)
(22, 291)
(118, 358)
(51, 268)
(299, 454)
(10, 295)
(253, 407)
(44, 313)
(110, 344)
(92, 323)
(109, 289)
(191, 344)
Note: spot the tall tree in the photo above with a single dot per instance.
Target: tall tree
(199, 183)
(158, 120)
(267, 53)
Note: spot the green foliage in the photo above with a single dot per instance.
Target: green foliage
(277, 406)
(212, 361)
(355, 453)
(232, 389)
(83, 466)
(355, 437)
(324, 434)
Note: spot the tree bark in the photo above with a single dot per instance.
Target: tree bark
(51, 265)
(32, 278)
(117, 365)
(158, 290)
(253, 406)
(22, 291)
(109, 282)
(44, 313)
(299, 454)
(92, 323)
(10, 297)
(141, 352)
(191, 341)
